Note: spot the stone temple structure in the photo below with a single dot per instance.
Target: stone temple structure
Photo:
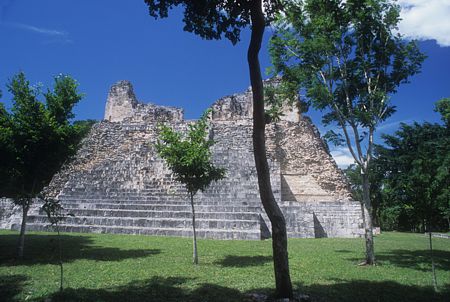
(118, 184)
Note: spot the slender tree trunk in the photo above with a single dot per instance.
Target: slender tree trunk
(194, 255)
(21, 243)
(433, 270)
(279, 236)
(368, 226)
(61, 279)
(375, 216)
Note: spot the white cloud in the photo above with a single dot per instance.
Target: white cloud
(426, 20)
(342, 157)
(40, 30)
(392, 125)
(56, 35)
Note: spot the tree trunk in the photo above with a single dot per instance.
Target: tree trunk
(194, 255)
(433, 270)
(368, 226)
(61, 279)
(279, 236)
(21, 243)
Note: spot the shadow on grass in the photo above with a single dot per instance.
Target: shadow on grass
(157, 289)
(417, 259)
(243, 261)
(11, 286)
(42, 249)
(343, 251)
(373, 291)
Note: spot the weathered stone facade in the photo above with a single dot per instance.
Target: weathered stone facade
(118, 184)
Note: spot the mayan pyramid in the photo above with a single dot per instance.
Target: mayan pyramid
(118, 184)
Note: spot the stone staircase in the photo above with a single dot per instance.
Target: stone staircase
(138, 195)
(152, 212)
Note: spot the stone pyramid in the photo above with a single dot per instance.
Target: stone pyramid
(118, 184)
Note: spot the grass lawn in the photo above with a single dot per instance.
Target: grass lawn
(142, 268)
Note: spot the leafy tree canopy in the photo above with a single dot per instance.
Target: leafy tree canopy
(347, 58)
(417, 176)
(443, 107)
(213, 19)
(189, 156)
(36, 137)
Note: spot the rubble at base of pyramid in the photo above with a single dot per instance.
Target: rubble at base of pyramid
(118, 184)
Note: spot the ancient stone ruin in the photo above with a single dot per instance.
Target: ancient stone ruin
(118, 184)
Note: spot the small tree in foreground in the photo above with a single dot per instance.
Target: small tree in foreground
(348, 59)
(189, 158)
(35, 140)
(54, 211)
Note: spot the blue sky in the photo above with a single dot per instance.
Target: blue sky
(100, 42)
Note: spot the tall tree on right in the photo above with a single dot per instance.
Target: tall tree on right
(348, 60)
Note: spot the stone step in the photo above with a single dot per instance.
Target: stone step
(187, 232)
(162, 214)
(200, 201)
(91, 186)
(167, 194)
(157, 207)
(153, 222)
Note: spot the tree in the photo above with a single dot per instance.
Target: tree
(417, 177)
(54, 211)
(6, 149)
(189, 159)
(348, 61)
(37, 138)
(443, 107)
(213, 19)
(418, 157)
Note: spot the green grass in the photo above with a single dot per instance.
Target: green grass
(142, 268)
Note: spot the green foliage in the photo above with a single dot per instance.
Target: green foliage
(416, 162)
(62, 99)
(443, 107)
(189, 157)
(37, 138)
(106, 267)
(6, 148)
(409, 178)
(212, 19)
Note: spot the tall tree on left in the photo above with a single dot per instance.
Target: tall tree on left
(36, 138)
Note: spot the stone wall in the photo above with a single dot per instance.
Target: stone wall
(9, 213)
(122, 106)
